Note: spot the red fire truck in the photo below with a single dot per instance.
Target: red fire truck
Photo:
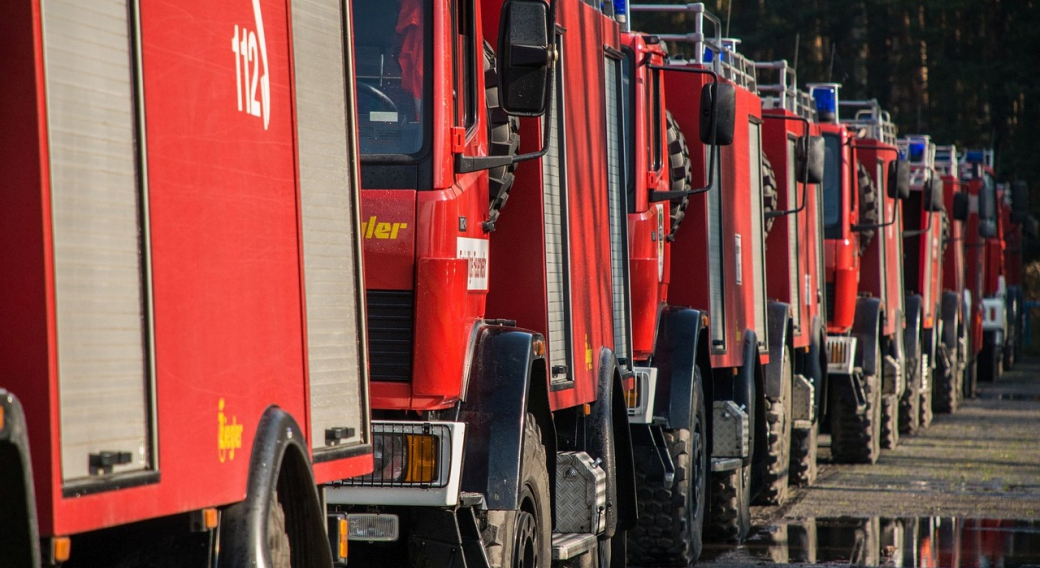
(862, 181)
(181, 291)
(719, 259)
(951, 362)
(795, 242)
(984, 263)
(666, 405)
(923, 222)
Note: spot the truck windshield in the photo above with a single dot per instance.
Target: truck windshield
(832, 187)
(392, 51)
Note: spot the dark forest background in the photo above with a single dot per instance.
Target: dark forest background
(965, 72)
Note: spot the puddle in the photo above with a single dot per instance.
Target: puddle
(1027, 397)
(912, 542)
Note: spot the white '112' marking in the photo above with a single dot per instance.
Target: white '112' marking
(251, 72)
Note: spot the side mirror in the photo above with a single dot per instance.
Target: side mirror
(725, 98)
(525, 54)
(987, 229)
(899, 179)
(933, 195)
(987, 204)
(810, 152)
(960, 206)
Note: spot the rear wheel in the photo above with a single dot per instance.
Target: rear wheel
(890, 416)
(731, 504)
(910, 402)
(946, 386)
(671, 518)
(927, 384)
(804, 444)
(778, 440)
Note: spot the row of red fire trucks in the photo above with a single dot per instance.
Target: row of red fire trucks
(609, 295)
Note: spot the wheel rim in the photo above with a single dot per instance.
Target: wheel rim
(525, 550)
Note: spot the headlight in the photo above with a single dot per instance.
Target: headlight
(408, 455)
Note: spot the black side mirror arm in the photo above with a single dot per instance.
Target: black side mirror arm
(466, 164)
(805, 186)
(659, 196)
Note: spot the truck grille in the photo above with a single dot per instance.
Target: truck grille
(390, 315)
(829, 298)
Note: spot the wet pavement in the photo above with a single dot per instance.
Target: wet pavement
(963, 493)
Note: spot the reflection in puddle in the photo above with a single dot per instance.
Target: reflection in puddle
(912, 542)
(1027, 397)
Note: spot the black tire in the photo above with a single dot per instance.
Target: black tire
(890, 416)
(730, 517)
(910, 401)
(856, 436)
(869, 204)
(770, 196)
(503, 138)
(804, 444)
(989, 363)
(680, 173)
(775, 476)
(671, 518)
(927, 384)
(946, 385)
(277, 535)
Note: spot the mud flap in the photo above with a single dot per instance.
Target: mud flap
(447, 538)
(675, 357)
(495, 408)
(779, 317)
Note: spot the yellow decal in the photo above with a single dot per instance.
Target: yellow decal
(588, 353)
(381, 230)
(229, 436)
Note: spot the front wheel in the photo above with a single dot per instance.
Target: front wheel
(671, 518)
(527, 530)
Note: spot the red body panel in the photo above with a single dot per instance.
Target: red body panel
(690, 264)
(783, 272)
(881, 275)
(977, 259)
(225, 255)
(649, 223)
(953, 256)
(518, 281)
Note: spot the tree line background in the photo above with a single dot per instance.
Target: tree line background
(967, 72)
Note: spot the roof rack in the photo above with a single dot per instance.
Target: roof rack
(870, 121)
(947, 161)
(974, 160)
(729, 64)
(784, 94)
(919, 150)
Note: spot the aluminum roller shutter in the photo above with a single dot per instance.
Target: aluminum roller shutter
(99, 215)
(329, 204)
